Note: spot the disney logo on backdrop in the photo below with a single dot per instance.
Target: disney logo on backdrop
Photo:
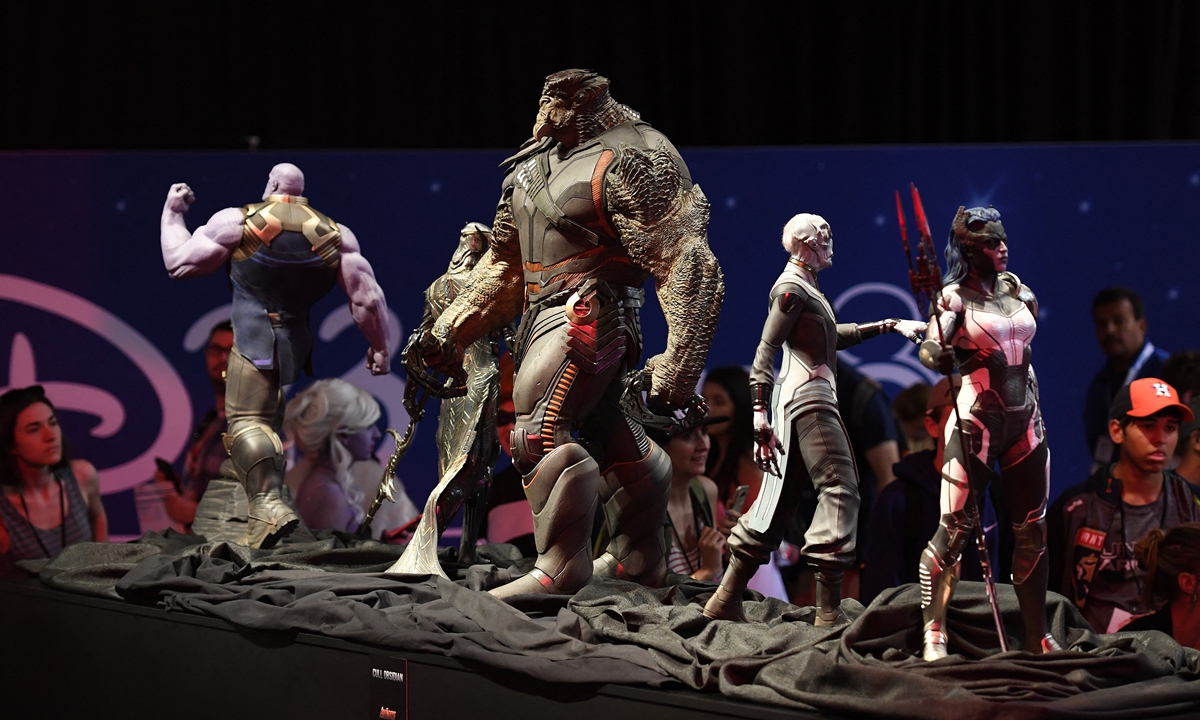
(388, 389)
(903, 368)
(168, 388)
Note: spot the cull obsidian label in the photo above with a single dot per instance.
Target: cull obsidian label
(389, 688)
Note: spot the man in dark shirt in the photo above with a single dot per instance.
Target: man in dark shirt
(1120, 319)
(1094, 526)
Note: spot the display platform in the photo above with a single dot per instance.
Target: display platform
(64, 655)
(177, 627)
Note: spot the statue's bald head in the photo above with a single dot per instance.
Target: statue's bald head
(285, 179)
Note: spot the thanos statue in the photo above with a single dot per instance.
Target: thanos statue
(466, 434)
(812, 445)
(596, 203)
(283, 256)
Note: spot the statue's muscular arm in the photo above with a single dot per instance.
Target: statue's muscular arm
(188, 254)
(368, 306)
(662, 221)
(492, 297)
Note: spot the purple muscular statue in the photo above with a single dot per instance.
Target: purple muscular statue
(283, 256)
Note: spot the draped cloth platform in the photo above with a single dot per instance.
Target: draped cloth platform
(613, 632)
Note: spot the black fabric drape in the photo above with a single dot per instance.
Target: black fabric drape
(618, 632)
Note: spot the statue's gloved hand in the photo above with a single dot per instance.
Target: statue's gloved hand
(766, 444)
(936, 357)
(911, 329)
(179, 198)
(378, 361)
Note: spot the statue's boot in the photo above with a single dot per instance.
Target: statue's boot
(562, 493)
(1031, 575)
(938, 577)
(726, 602)
(829, 598)
(634, 496)
(257, 458)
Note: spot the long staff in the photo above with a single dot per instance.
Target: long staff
(926, 280)
(420, 387)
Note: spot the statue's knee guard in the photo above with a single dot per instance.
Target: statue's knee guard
(562, 495)
(635, 498)
(1030, 544)
(938, 574)
(256, 454)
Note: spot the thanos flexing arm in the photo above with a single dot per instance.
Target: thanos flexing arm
(592, 206)
(283, 257)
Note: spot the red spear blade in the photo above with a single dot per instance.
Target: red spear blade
(919, 211)
(903, 226)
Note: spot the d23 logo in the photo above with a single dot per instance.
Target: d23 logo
(103, 404)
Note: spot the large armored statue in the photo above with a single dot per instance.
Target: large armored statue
(593, 205)
(466, 434)
(811, 437)
(283, 256)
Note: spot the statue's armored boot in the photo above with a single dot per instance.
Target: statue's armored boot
(257, 458)
(829, 598)
(634, 497)
(1031, 575)
(939, 575)
(562, 493)
(726, 602)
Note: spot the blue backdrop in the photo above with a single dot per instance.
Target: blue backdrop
(86, 307)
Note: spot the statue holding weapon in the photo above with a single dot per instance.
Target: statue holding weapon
(982, 321)
(466, 436)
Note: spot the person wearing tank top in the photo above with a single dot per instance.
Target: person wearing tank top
(47, 501)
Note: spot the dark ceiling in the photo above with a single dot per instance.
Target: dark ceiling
(158, 76)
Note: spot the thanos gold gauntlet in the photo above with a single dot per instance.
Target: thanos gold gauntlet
(938, 577)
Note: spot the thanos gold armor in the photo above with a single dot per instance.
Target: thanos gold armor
(594, 205)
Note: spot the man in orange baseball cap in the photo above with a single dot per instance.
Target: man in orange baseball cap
(1094, 525)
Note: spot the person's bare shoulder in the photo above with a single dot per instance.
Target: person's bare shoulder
(86, 475)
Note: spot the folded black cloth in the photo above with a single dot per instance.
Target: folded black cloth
(872, 666)
(619, 632)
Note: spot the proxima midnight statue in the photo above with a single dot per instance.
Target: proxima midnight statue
(594, 204)
(283, 257)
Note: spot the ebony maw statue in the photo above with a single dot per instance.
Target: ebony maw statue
(283, 256)
(811, 439)
(989, 319)
(592, 206)
(466, 435)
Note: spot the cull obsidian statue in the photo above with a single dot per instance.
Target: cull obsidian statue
(466, 435)
(985, 321)
(811, 438)
(283, 256)
(593, 205)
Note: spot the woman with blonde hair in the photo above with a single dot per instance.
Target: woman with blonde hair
(1171, 559)
(333, 424)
